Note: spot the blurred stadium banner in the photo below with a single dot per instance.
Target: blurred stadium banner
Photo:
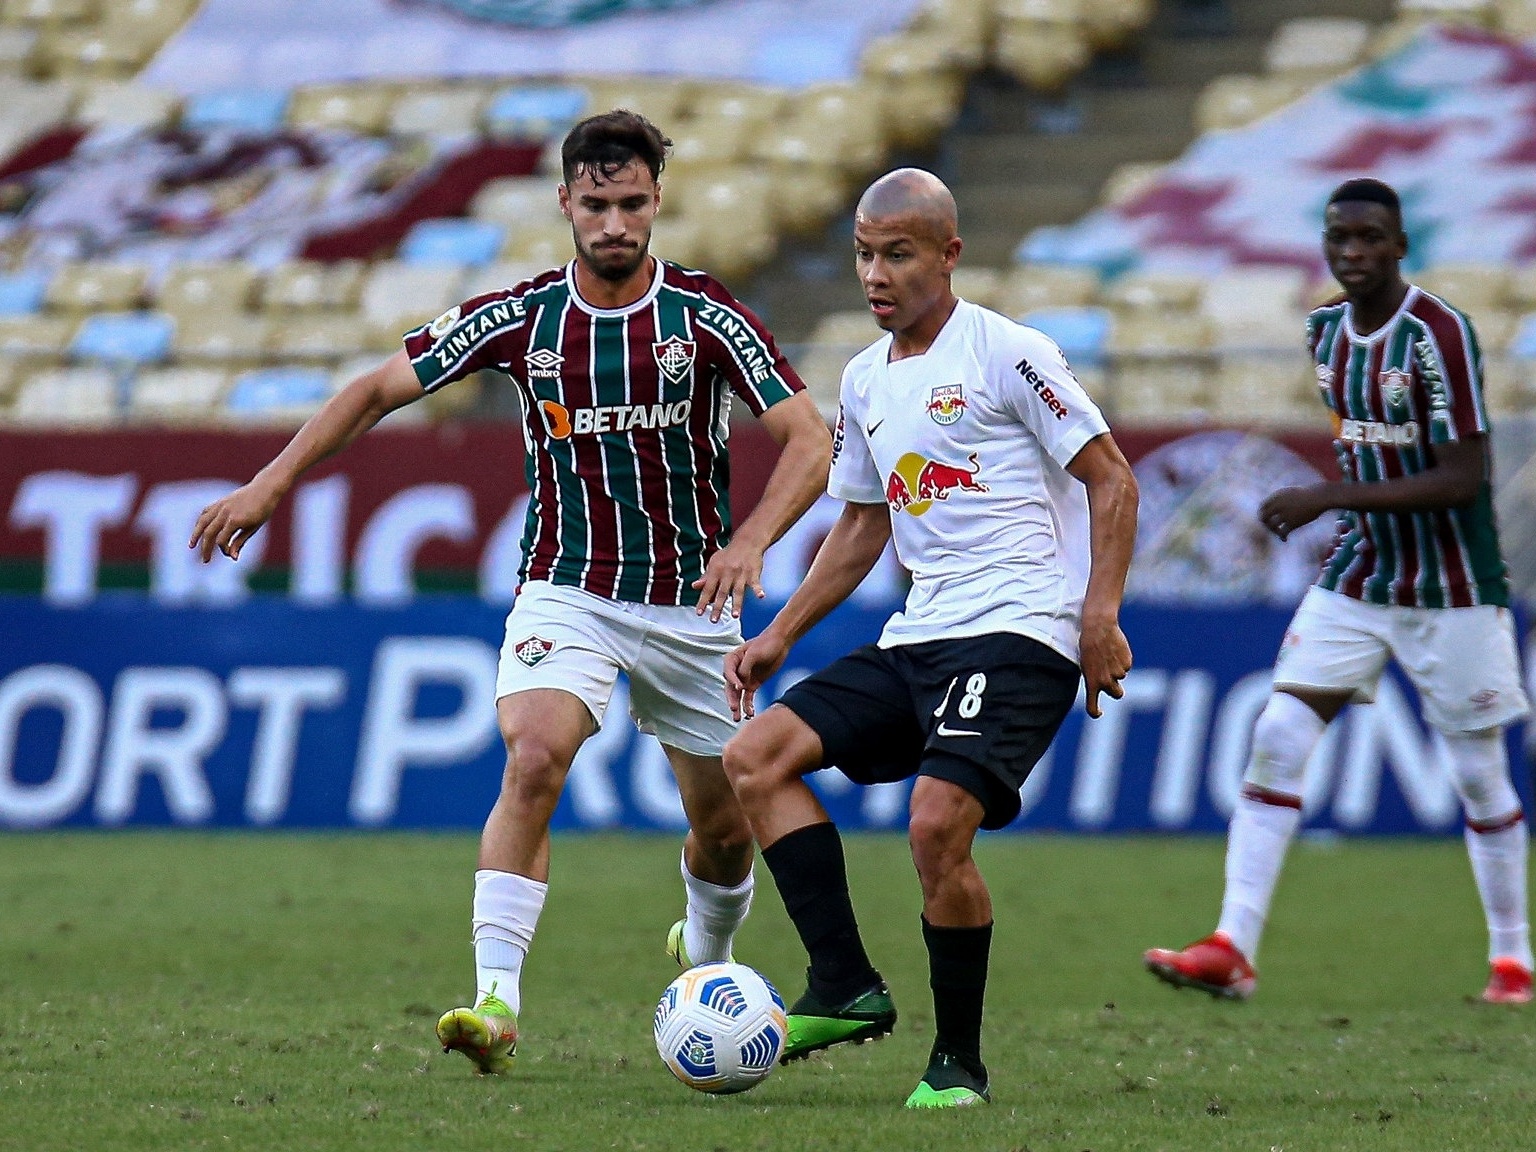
(286, 43)
(276, 715)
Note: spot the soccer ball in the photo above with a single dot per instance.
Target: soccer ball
(720, 1027)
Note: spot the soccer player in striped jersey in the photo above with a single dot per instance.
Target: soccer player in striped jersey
(1415, 574)
(625, 365)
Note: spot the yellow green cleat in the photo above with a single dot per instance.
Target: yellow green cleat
(949, 1084)
(486, 1033)
(815, 1024)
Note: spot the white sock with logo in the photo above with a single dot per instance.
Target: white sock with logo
(714, 914)
(507, 908)
(1499, 866)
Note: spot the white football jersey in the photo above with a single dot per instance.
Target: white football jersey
(967, 445)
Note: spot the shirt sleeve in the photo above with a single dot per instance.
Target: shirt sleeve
(855, 476)
(1041, 390)
(749, 356)
(1451, 370)
(466, 338)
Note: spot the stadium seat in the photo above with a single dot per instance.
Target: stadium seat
(1152, 292)
(517, 201)
(65, 396)
(452, 241)
(844, 120)
(734, 216)
(1129, 180)
(301, 285)
(534, 113)
(1235, 101)
(49, 12)
(1160, 391)
(1516, 18)
(1256, 308)
(1082, 333)
(176, 395)
(821, 367)
(1109, 24)
(22, 293)
(495, 277)
(1031, 286)
(855, 329)
(677, 240)
(805, 197)
(197, 288)
(1147, 335)
(1479, 12)
(964, 27)
(18, 50)
(1474, 288)
(36, 336)
(325, 336)
(362, 108)
(28, 110)
(277, 395)
(123, 104)
(124, 338)
(401, 296)
(224, 337)
(1317, 46)
(94, 53)
(437, 112)
(978, 285)
(87, 287)
(1040, 43)
(248, 110)
(710, 142)
(921, 83)
(1266, 390)
(546, 244)
(156, 18)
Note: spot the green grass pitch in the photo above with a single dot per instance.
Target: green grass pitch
(177, 991)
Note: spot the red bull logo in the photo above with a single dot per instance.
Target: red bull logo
(946, 404)
(918, 481)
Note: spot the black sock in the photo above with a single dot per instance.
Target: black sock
(957, 973)
(807, 867)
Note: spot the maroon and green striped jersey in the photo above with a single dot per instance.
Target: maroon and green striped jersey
(1416, 382)
(626, 414)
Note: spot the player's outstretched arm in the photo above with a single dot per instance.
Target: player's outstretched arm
(1455, 479)
(1112, 501)
(797, 480)
(228, 523)
(846, 556)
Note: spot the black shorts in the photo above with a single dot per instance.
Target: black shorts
(978, 712)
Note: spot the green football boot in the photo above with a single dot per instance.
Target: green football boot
(949, 1084)
(486, 1033)
(815, 1024)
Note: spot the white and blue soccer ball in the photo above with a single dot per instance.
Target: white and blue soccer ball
(720, 1027)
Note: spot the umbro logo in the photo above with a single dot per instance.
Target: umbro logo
(544, 363)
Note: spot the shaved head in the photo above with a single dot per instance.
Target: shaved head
(914, 198)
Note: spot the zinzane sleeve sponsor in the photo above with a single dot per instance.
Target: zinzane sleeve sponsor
(465, 339)
(1040, 389)
(751, 361)
(1451, 370)
(854, 477)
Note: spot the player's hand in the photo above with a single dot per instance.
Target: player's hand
(731, 571)
(1106, 658)
(1289, 509)
(228, 523)
(747, 667)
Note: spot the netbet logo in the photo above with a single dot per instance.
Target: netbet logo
(1041, 388)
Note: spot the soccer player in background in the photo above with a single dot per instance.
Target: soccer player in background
(1415, 573)
(965, 438)
(625, 365)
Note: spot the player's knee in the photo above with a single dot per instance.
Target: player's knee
(535, 772)
(939, 835)
(759, 757)
(1283, 738)
(1479, 767)
(722, 831)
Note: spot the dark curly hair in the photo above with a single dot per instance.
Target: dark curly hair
(605, 144)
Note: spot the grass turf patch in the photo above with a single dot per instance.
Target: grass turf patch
(273, 991)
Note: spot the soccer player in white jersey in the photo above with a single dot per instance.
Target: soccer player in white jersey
(1415, 574)
(625, 365)
(965, 438)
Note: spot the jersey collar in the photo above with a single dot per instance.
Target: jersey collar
(628, 309)
(1349, 319)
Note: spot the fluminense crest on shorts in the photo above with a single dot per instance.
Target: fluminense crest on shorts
(533, 649)
(674, 356)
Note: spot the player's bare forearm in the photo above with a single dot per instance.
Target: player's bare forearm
(799, 477)
(845, 557)
(1455, 479)
(225, 525)
(1104, 653)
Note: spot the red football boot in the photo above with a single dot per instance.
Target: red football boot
(1212, 965)
(1509, 982)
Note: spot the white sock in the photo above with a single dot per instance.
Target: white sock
(507, 908)
(714, 914)
(1256, 842)
(1499, 866)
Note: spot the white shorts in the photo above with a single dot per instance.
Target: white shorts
(567, 638)
(1463, 661)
